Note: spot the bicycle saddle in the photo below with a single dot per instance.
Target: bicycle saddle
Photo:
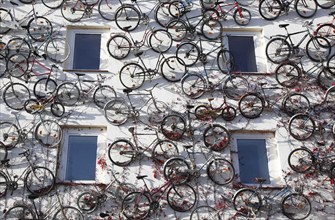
(189, 106)
(139, 177)
(210, 99)
(32, 196)
(283, 25)
(138, 54)
(187, 146)
(127, 90)
(127, 28)
(80, 74)
(259, 180)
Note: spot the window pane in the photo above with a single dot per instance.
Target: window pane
(81, 158)
(243, 49)
(253, 161)
(87, 51)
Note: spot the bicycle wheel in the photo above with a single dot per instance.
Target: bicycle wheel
(206, 4)
(6, 18)
(87, 202)
(49, 133)
(39, 28)
(242, 17)
(301, 127)
(331, 64)
(103, 94)
(235, 87)
(68, 94)
(173, 126)
(188, 52)
(15, 95)
(325, 79)
(18, 45)
(295, 103)
(325, 4)
(57, 109)
(136, 205)
(26, 1)
(181, 198)
(19, 212)
(163, 15)
(305, 8)
(164, 150)
(251, 105)
(296, 206)
(3, 62)
(245, 2)
(160, 41)
(9, 135)
(221, 171)
(211, 27)
(3, 184)
(278, 50)
(173, 69)
(32, 106)
(73, 10)
(216, 137)
(327, 31)
(53, 4)
(225, 61)
(228, 113)
(119, 46)
(270, 9)
(157, 110)
(57, 50)
(127, 17)
(121, 152)
(178, 29)
(39, 180)
(205, 212)
(116, 111)
(107, 9)
(176, 170)
(288, 74)
(132, 76)
(193, 85)
(44, 87)
(17, 65)
(3, 155)
(247, 202)
(68, 212)
(202, 113)
(318, 49)
(301, 160)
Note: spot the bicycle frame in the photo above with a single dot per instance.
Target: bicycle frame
(16, 23)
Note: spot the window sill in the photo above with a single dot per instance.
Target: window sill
(239, 185)
(79, 182)
(86, 71)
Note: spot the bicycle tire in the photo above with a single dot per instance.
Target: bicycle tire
(242, 17)
(3, 61)
(176, 170)
(73, 10)
(303, 207)
(132, 75)
(49, 133)
(247, 202)
(318, 49)
(53, 4)
(331, 64)
(3, 154)
(163, 15)
(164, 150)
(205, 212)
(305, 8)
(29, 106)
(235, 87)
(87, 202)
(44, 87)
(26, 1)
(116, 111)
(39, 28)
(181, 198)
(9, 135)
(68, 94)
(193, 85)
(57, 50)
(188, 52)
(251, 105)
(68, 212)
(17, 65)
(18, 45)
(119, 46)
(178, 29)
(136, 205)
(278, 50)
(301, 160)
(325, 4)
(127, 17)
(225, 61)
(228, 113)
(203, 113)
(221, 171)
(325, 79)
(156, 111)
(121, 152)
(39, 180)
(57, 109)
(211, 27)
(270, 9)
(107, 9)
(207, 4)
(216, 137)
(15, 95)
(173, 126)
(288, 74)
(173, 69)
(160, 41)
(301, 127)
(3, 184)
(5, 17)
(327, 31)
(295, 103)
(19, 212)
(102, 95)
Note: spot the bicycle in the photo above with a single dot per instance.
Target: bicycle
(132, 75)
(119, 45)
(271, 9)
(69, 93)
(61, 211)
(139, 205)
(327, 30)
(118, 111)
(281, 48)
(294, 205)
(122, 152)
(38, 180)
(218, 169)
(252, 104)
